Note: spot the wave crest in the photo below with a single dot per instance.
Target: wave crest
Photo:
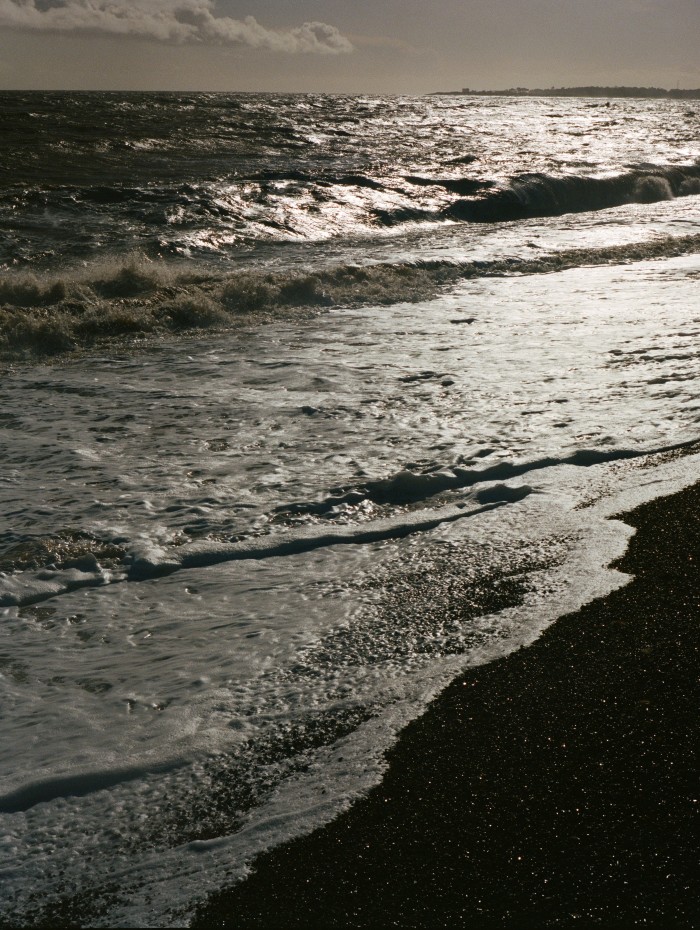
(532, 195)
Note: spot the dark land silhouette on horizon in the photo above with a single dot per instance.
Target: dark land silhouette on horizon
(587, 91)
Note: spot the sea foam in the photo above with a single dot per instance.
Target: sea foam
(128, 300)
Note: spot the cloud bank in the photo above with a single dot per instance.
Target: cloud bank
(173, 21)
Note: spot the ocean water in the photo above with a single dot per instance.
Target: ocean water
(308, 403)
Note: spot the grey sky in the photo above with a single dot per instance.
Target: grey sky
(396, 46)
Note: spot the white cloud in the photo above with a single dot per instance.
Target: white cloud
(175, 21)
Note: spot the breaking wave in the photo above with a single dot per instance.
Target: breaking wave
(531, 195)
(139, 298)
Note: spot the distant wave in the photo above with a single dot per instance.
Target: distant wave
(531, 195)
(187, 219)
(129, 300)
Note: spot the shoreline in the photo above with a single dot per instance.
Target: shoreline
(556, 787)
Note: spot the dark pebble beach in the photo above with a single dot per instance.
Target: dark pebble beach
(557, 787)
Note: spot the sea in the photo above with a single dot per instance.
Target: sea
(308, 404)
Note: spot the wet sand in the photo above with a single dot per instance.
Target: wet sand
(557, 787)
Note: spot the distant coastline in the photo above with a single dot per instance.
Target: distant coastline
(589, 91)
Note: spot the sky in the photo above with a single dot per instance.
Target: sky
(347, 46)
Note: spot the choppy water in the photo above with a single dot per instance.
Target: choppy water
(308, 403)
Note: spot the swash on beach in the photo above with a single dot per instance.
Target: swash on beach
(308, 404)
